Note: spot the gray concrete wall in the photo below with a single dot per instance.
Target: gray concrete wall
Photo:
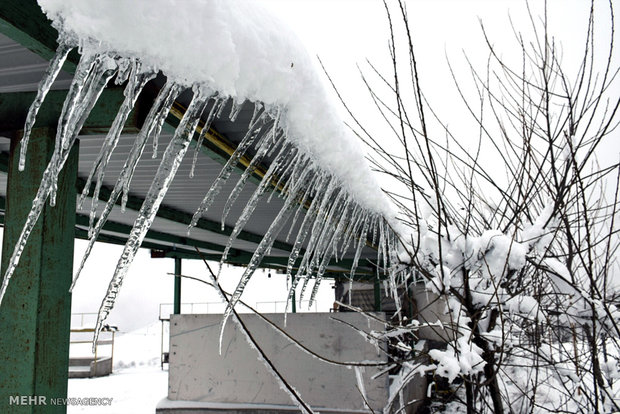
(431, 309)
(199, 374)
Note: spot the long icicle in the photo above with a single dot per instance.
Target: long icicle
(73, 103)
(262, 145)
(51, 73)
(58, 160)
(304, 229)
(162, 103)
(259, 253)
(223, 176)
(163, 106)
(171, 160)
(252, 202)
(136, 83)
(203, 134)
(257, 257)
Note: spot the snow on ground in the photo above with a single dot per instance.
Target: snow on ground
(133, 390)
(137, 383)
(141, 347)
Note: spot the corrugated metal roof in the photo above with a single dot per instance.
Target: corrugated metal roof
(21, 70)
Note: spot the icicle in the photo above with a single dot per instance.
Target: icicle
(60, 155)
(221, 108)
(373, 226)
(276, 124)
(360, 244)
(159, 112)
(124, 70)
(163, 178)
(333, 237)
(252, 202)
(257, 257)
(274, 230)
(286, 177)
(263, 147)
(103, 72)
(301, 237)
(325, 197)
(355, 224)
(162, 103)
(222, 177)
(304, 198)
(379, 246)
(360, 383)
(306, 222)
(235, 109)
(136, 83)
(325, 226)
(307, 278)
(49, 77)
(203, 134)
(258, 109)
(67, 120)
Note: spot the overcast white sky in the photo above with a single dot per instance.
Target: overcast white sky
(343, 33)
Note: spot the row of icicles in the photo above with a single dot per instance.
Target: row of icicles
(323, 219)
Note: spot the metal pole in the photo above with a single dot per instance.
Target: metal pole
(177, 285)
(377, 295)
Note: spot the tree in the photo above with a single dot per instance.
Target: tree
(523, 249)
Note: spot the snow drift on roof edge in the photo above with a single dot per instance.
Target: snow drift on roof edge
(239, 50)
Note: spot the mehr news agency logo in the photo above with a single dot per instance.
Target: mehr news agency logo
(43, 400)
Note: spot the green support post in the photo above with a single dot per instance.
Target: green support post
(177, 285)
(377, 295)
(35, 315)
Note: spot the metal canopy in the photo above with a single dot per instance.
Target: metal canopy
(26, 42)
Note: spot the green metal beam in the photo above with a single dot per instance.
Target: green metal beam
(24, 22)
(172, 214)
(177, 285)
(35, 315)
(116, 227)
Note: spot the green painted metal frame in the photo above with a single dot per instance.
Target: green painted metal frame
(35, 315)
(177, 285)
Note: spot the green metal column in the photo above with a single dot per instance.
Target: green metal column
(177, 285)
(377, 295)
(35, 316)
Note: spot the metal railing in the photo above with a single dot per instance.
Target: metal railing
(279, 306)
(107, 330)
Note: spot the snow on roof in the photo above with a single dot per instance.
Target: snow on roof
(223, 50)
(239, 50)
